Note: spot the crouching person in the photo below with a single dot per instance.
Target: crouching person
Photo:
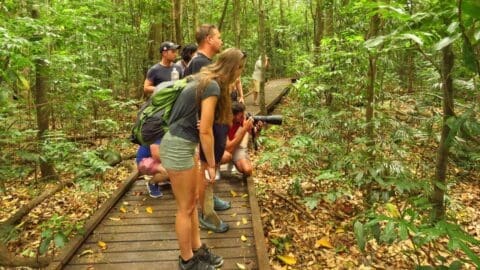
(236, 150)
(148, 163)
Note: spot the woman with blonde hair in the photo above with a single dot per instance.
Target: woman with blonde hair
(206, 98)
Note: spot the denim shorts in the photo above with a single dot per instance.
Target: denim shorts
(177, 153)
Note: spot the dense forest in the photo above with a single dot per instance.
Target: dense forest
(380, 148)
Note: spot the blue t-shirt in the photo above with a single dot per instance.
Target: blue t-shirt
(144, 151)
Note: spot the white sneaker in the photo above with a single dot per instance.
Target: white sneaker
(217, 175)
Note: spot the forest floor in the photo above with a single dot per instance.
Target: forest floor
(318, 239)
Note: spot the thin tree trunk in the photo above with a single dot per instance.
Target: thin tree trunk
(372, 72)
(236, 21)
(261, 43)
(222, 19)
(195, 17)
(438, 210)
(42, 107)
(318, 33)
(177, 18)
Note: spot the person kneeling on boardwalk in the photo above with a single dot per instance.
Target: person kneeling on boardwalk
(206, 96)
(148, 163)
(236, 150)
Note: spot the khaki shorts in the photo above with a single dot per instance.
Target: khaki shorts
(256, 86)
(177, 153)
(239, 154)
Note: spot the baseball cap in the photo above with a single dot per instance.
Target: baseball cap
(168, 45)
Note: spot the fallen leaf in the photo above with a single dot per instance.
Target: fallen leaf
(102, 245)
(234, 215)
(125, 203)
(245, 195)
(243, 238)
(210, 232)
(323, 242)
(241, 266)
(85, 252)
(149, 210)
(114, 218)
(244, 221)
(123, 209)
(238, 223)
(290, 260)
(339, 231)
(392, 210)
(234, 194)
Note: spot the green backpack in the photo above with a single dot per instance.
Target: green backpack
(152, 119)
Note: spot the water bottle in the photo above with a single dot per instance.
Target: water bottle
(175, 74)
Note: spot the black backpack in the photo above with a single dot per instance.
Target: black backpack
(152, 119)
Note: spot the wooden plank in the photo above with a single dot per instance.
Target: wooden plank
(156, 255)
(152, 245)
(69, 250)
(160, 236)
(262, 256)
(229, 264)
(152, 228)
(165, 220)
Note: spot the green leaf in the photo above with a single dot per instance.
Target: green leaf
(414, 38)
(43, 248)
(47, 234)
(474, 257)
(60, 240)
(445, 42)
(452, 27)
(469, 56)
(374, 42)
(472, 8)
(389, 232)
(403, 231)
(477, 35)
(359, 235)
(311, 202)
(456, 265)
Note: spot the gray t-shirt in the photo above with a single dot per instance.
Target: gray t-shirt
(184, 115)
(158, 73)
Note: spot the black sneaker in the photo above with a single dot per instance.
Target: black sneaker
(204, 254)
(194, 264)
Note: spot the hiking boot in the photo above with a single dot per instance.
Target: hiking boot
(220, 205)
(205, 255)
(154, 190)
(194, 264)
(223, 227)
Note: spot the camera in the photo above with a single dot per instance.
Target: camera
(268, 119)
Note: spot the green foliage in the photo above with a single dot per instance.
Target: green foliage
(56, 230)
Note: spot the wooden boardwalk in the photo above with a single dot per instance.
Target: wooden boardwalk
(139, 231)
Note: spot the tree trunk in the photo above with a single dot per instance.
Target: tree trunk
(261, 45)
(410, 71)
(194, 18)
(236, 21)
(177, 19)
(372, 72)
(439, 183)
(329, 19)
(318, 33)
(222, 19)
(42, 107)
